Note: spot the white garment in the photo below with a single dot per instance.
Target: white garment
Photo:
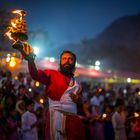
(65, 104)
(95, 101)
(118, 122)
(27, 120)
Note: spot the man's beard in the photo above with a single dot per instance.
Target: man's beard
(67, 70)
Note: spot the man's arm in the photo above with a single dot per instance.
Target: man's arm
(38, 75)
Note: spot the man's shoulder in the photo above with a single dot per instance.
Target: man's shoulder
(52, 72)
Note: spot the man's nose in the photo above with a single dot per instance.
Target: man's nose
(67, 61)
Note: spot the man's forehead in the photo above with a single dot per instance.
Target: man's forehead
(67, 55)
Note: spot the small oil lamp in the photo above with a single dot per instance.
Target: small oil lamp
(17, 30)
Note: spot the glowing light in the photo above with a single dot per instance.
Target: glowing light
(12, 63)
(16, 25)
(97, 63)
(36, 50)
(41, 101)
(128, 80)
(139, 93)
(100, 89)
(52, 59)
(97, 68)
(104, 115)
(136, 114)
(30, 90)
(8, 59)
(124, 91)
(13, 24)
(8, 55)
(37, 84)
(16, 78)
(12, 59)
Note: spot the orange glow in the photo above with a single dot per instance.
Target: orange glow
(136, 114)
(100, 89)
(104, 115)
(37, 84)
(41, 101)
(12, 63)
(17, 25)
(21, 13)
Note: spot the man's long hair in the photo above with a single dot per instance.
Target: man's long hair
(72, 67)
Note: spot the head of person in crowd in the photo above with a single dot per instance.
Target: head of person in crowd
(8, 74)
(10, 100)
(1, 73)
(21, 77)
(29, 105)
(120, 105)
(67, 63)
(22, 89)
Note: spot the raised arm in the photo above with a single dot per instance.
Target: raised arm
(28, 54)
(38, 75)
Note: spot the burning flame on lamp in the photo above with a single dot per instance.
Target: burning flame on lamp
(17, 31)
(104, 115)
(136, 114)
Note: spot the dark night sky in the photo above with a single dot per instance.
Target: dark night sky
(72, 20)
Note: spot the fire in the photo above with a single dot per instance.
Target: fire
(17, 25)
(104, 115)
(136, 114)
(41, 101)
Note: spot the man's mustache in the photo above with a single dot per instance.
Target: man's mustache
(67, 64)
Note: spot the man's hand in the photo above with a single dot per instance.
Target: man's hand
(26, 50)
(76, 98)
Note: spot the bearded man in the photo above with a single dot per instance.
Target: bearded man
(63, 92)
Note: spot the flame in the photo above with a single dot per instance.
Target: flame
(136, 114)
(9, 35)
(13, 24)
(17, 25)
(17, 12)
(104, 115)
(41, 101)
(21, 13)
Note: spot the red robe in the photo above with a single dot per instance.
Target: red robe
(56, 84)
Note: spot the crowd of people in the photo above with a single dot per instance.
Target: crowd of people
(20, 107)
(106, 113)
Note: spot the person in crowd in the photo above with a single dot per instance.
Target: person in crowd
(98, 121)
(20, 110)
(29, 122)
(108, 127)
(22, 93)
(86, 117)
(12, 124)
(9, 100)
(118, 120)
(3, 128)
(63, 92)
(7, 83)
(20, 80)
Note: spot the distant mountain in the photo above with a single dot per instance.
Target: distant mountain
(117, 47)
(119, 44)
